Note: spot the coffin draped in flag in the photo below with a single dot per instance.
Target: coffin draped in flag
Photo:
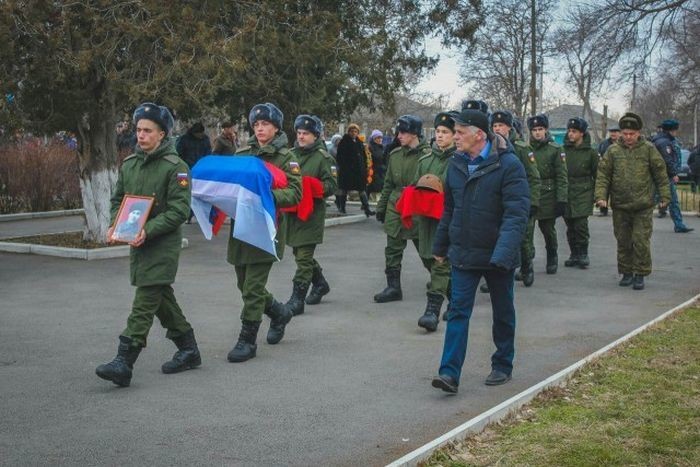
(239, 187)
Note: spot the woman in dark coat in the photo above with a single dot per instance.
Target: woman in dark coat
(352, 169)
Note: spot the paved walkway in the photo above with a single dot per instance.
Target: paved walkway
(349, 384)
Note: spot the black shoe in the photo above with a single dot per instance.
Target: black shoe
(496, 378)
(279, 315)
(574, 259)
(583, 260)
(296, 301)
(365, 204)
(552, 262)
(528, 274)
(319, 288)
(683, 230)
(187, 355)
(603, 212)
(119, 370)
(245, 348)
(638, 282)
(431, 318)
(340, 202)
(626, 280)
(484, 288)
(661, 214)
(446, 383)
(392, 292)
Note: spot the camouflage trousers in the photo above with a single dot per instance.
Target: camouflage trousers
(577, 233)
(633, 233)
(150, 301)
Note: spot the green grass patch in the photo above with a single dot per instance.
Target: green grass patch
(638, 405)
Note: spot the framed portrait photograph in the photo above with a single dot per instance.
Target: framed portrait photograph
(132, 216)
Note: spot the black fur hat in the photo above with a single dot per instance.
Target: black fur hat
(477, 118)
(445, 119)
(502, 116)
(155, 113)
(631, 121)
(268, 112)
(479, 105)
(538, 120)
(577, 123)
(409, 124)
(310, 123)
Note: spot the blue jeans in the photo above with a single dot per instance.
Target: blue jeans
(674, 208)
(464, 284)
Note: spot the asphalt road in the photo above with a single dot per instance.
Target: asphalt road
(349, 384)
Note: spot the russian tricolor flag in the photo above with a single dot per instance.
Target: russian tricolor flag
(240, 187)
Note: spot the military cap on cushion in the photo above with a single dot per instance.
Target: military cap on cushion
(502, 116)
(155, 113)
(614, 128)
(475, 118)
(475, 105)
(538, 120)
(310, 123)
(670, 124)
(409, 124)
(631, 121)
(444, 119)
(268, 112)
(577, 123)
(430, 182)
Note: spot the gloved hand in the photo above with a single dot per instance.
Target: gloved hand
(533, 211)
(560, 209)
(380, 216)
(499, 267)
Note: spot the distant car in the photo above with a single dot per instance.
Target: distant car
(684, 173)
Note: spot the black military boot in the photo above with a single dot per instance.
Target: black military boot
(626, 280)
(484, 288)
(638, 282)
(118, 370)
(280, 315)
(319, 289)
(527, 273)
(552, 261)
(583, 260)
(245, 347)
(365, 204)
(430, 319)
(187, 355)
(603, 212)
(296, 301)
(574, 258)
(392, 292)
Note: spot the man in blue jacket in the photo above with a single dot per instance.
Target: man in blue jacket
(487, 205)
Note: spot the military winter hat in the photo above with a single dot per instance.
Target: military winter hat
(670, 124)
(502, 116)
(481, 106)
(268, 112)
(475, 118)
(631, 121)
(155, 113)
(309, 123)
(140, 206)
(538, 120)
(444, 119)
(430, 182)
(577, 123)
(614, 128)
(409, 124)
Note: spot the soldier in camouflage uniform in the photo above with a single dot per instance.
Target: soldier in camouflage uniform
(400, 172)
(613, 135)
(502, 124)
(435, 163)
(630, 173)
(551, 163)
(252, 264)
(304, 235)
(154, 170)
(581, 166)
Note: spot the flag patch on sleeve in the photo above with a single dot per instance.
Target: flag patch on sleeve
(183, 180)
(294, 167)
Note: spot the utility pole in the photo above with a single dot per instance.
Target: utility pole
(695, 124)
(533, 59)
(633, 104)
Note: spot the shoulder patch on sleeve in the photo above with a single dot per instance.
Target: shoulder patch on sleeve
(183, 179)
(531, 156)
(172, 159)
(334, 171)
(294, 167)
(562, 155)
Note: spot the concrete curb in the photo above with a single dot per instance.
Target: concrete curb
(333, 221)
(499, 412)
(73, 253)
(40, 215)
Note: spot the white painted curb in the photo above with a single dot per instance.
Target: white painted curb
(74, 253)
(499, 412)
(40, 215)
(333, 221)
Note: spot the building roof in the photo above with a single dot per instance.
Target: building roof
(558, 116)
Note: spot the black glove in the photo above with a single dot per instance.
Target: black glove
(380, 216)
(560, 209)
(533, 211)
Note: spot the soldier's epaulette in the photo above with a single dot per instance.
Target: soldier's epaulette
(425, 156)
(555, 145)
(520, 143)
(129, 157)
(400, 148)
(325, 153)
(172, 159)
(243, 150)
